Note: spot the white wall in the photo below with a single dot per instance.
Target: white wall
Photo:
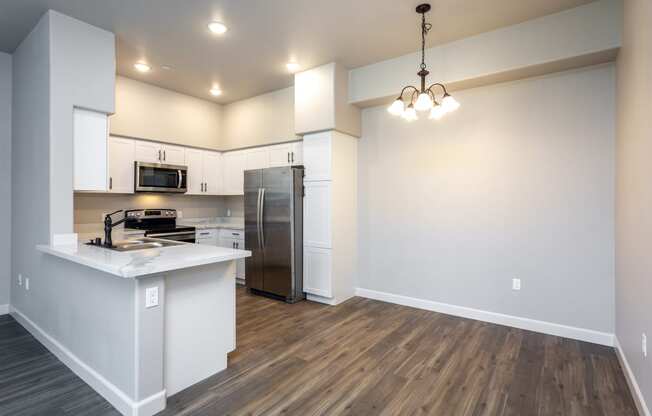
(260, 120)
(149, 112)
(634, 192)
(518, 183)
(5, 177)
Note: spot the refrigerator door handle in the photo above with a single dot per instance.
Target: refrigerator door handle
(258, 219)
(262, 217)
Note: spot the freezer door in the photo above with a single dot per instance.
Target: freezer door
(276, 232)
(253, 182)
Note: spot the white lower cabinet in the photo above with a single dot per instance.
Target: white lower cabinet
(207, 237)
(317, 267)
(234, 239)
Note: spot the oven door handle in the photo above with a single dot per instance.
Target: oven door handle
(154, 235)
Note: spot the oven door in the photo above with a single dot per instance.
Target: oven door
(156, 177)
(183, 236)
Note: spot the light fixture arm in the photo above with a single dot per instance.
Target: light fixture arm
(437, 84)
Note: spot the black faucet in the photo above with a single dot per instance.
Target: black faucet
(108, 226)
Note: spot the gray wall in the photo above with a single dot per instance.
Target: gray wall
(5, 177)
(518, 183)
(634, 192)
(64, 300)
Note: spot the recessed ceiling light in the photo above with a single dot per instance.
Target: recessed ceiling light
(142, 67)
(292, 66)
(216, 91)
(218, 28)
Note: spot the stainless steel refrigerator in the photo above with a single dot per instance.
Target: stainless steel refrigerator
(273, 201)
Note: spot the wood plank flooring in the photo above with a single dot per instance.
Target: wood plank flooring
(366, 357)
(362, 357)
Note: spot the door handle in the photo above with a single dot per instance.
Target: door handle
(262, 217)
(180, 178)
(260, 246)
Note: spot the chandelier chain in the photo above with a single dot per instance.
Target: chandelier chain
(425, 27)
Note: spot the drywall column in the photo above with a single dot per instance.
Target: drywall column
(330, 128)
(5, 180)
(634, 200)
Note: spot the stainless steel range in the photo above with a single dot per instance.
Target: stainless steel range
(159, 223)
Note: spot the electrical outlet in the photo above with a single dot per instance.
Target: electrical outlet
(228, 212)
(151, 297)
(20, 279)
(644, 344)
(516, 284)
(27, 283)
(179, 213)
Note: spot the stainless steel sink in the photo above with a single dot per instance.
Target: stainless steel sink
(143, 243)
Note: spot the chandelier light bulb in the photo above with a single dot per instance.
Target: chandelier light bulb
(424, 102)
(410, 113)
(437, 112)
(449, 103)
(397, 107)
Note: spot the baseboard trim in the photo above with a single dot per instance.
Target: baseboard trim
(4, 309)
(643, 410)
(118, 399)
(582, 334)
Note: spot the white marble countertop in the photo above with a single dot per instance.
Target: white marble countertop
(230, 223)
(143, 262)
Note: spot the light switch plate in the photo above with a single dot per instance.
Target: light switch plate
(151, 297)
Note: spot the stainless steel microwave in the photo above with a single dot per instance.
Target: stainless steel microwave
(156, 177)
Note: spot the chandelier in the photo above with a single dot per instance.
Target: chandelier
(423, 99)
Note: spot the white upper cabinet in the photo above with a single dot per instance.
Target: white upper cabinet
(257, 158)
(212, 173)
(234, 167)
(173, 155)
(204, 172)
(195, 163)
(121, 165)
(288, 154)
(280, 155)
(151, 152)
(90, 135)
(148, 152)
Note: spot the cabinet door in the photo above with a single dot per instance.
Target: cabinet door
(257, 158)
(212, 173)
(233, 173)
(317, 271)
(90, 135)
(174, 155)
(148, 152)
(121, 165)
(280, 155)
(317, 156)
(317, 214)
(296, 154)
(195, 163)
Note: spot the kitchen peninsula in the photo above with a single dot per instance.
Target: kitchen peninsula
(145, 324)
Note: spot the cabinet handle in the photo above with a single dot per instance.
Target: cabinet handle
(159, 155)
(205, 186)
(233, 244)
(164, 157)
(292, 157)
(110, 183)
(288, 157)
(237, 245)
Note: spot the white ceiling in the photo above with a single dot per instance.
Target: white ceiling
(264, 34)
